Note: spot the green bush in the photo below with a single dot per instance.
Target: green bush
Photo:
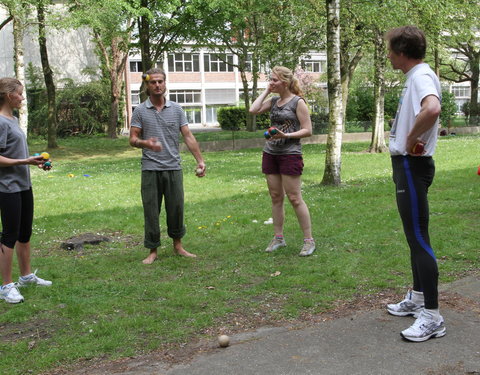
(234, 118)
(361, 106)
(81, 108)
(319, 122)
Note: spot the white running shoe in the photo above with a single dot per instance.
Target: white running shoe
(275, 244)
(10, 293)
(406, 307)
(424, 328)
(33, 279)
(308, 248)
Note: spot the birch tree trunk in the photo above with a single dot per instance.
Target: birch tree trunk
(378, 132)
(19, 66)
(333, 157)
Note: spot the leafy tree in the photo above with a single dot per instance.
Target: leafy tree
(19, 14)
(449, 109)
(461, 37)
(164, 26)
(111, 28)
(260, 33)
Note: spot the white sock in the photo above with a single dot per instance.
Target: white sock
(417, 297)
(434, 312)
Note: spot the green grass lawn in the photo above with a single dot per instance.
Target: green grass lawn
(104, 303)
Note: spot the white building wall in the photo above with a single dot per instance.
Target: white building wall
(69, 51)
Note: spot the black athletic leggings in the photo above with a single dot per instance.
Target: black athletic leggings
(412, 177)
(17, 217)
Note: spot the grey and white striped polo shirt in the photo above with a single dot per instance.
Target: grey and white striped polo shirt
(165, 126)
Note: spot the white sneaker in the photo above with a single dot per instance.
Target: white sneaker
(33, 279)
(424, 328)
(274, 244)
(406, 307)
(308, 248)
(10, 293)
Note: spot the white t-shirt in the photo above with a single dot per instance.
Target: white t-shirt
(421, 82)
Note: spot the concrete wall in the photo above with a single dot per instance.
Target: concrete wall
(464, 130)
(239, 144)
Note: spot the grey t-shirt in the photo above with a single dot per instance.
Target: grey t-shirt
(284, 118)
(165, 126)
(13, 145)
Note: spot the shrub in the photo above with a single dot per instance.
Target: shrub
(319, 122)
(234, 118)
(81, 108)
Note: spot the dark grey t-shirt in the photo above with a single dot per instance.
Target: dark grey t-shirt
(13, 145)
(165, 126)
(284, 118)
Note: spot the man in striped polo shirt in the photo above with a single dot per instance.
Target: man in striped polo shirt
(155, 128)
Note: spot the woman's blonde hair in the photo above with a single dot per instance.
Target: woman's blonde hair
(8, 86)
(286, 75)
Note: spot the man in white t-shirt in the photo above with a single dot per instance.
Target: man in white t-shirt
(413, 139)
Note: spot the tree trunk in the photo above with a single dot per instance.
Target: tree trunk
(250, 120)
(144, 39)
(475, 76)
(333, 158)
(117, 68)
(347, 68)
(378, 131)
(19, 66)
(48, 76)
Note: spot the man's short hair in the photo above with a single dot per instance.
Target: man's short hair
(409, 40)
(156, 71)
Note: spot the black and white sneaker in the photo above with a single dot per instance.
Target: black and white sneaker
(405, 307)
(425, 327)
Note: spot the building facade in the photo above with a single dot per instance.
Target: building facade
(203, 81)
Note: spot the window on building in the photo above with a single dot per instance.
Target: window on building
(217, 62)
(211, 112)
(136, 66)
(262, 68)
(186, 96)
(135, 97)
(314, 66)
(183, 62)
(461, 91)
(194, 115)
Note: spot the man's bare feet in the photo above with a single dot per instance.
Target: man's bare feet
(184, 253)
(152, 257)
(179, 250)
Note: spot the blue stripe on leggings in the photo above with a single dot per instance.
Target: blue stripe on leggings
(414, 206)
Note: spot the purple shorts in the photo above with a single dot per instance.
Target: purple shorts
(291, 165)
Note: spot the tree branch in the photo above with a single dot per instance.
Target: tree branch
(4, 23)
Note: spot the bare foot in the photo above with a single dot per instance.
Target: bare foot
(152, 257)
(184, 253)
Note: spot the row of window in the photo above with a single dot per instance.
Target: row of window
(179, 96)
(216, 62)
